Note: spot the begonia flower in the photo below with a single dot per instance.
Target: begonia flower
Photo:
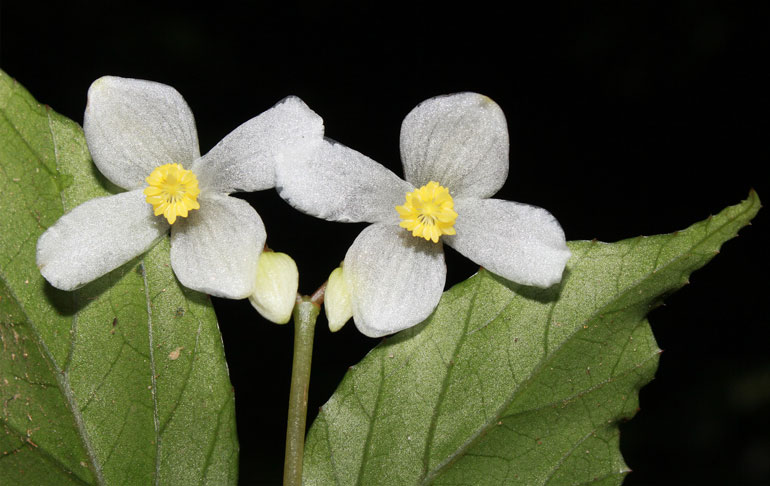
(142, 137)
(454, 151)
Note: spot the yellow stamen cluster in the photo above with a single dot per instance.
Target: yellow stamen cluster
(172, 191)
(428, 212)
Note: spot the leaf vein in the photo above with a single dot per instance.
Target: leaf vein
(63, 385)
(426, 476)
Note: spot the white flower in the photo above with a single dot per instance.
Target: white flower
(142, 137)
(455, 155)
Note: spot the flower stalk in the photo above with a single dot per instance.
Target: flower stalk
(305, 314)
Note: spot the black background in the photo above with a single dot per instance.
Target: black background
(626, 118)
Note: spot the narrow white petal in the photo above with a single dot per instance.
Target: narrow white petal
(216, 248)
(519, 242)
(395, 279)
(245, 159)
(133, 126)
(339, 184)
(459, 141)
(97, 237)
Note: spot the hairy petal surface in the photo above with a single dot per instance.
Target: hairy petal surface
(337, 183)
(459, 141)
(216, 248)
(97, 237)
(245, 159)
(521, 243)
(133, 126)
(395, 280)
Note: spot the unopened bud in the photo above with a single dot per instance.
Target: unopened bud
(276, 290)
(339, 308)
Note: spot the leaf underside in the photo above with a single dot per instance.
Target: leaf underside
(506, 384)
(123, 381)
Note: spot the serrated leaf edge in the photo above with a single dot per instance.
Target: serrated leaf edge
(482, 431)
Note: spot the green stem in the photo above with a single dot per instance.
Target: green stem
(305, 315)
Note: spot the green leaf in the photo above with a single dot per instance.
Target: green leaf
(121, 382)
(506, 384)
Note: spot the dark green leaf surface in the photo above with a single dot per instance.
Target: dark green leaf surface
(506, 384)
(121, 382)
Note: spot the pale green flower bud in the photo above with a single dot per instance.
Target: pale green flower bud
(276, 289)
(339, 308)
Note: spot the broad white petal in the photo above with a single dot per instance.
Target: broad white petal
(459, 141)
(339, 184)
(395, 279)
(216, 248)
(97, 237)
(519, 242)
(245, 159)
(133, 126)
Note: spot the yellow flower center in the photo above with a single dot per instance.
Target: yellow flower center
(172, 191)
(428, 212)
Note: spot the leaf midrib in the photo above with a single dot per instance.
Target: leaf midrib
(445, 384)
(153, 381)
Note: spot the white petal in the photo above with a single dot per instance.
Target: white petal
(133, 126)
(97, 237)
(216, 248)
(339, 184)
(245, 159)
(459, 141)
(395, 279)
(519, 242)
